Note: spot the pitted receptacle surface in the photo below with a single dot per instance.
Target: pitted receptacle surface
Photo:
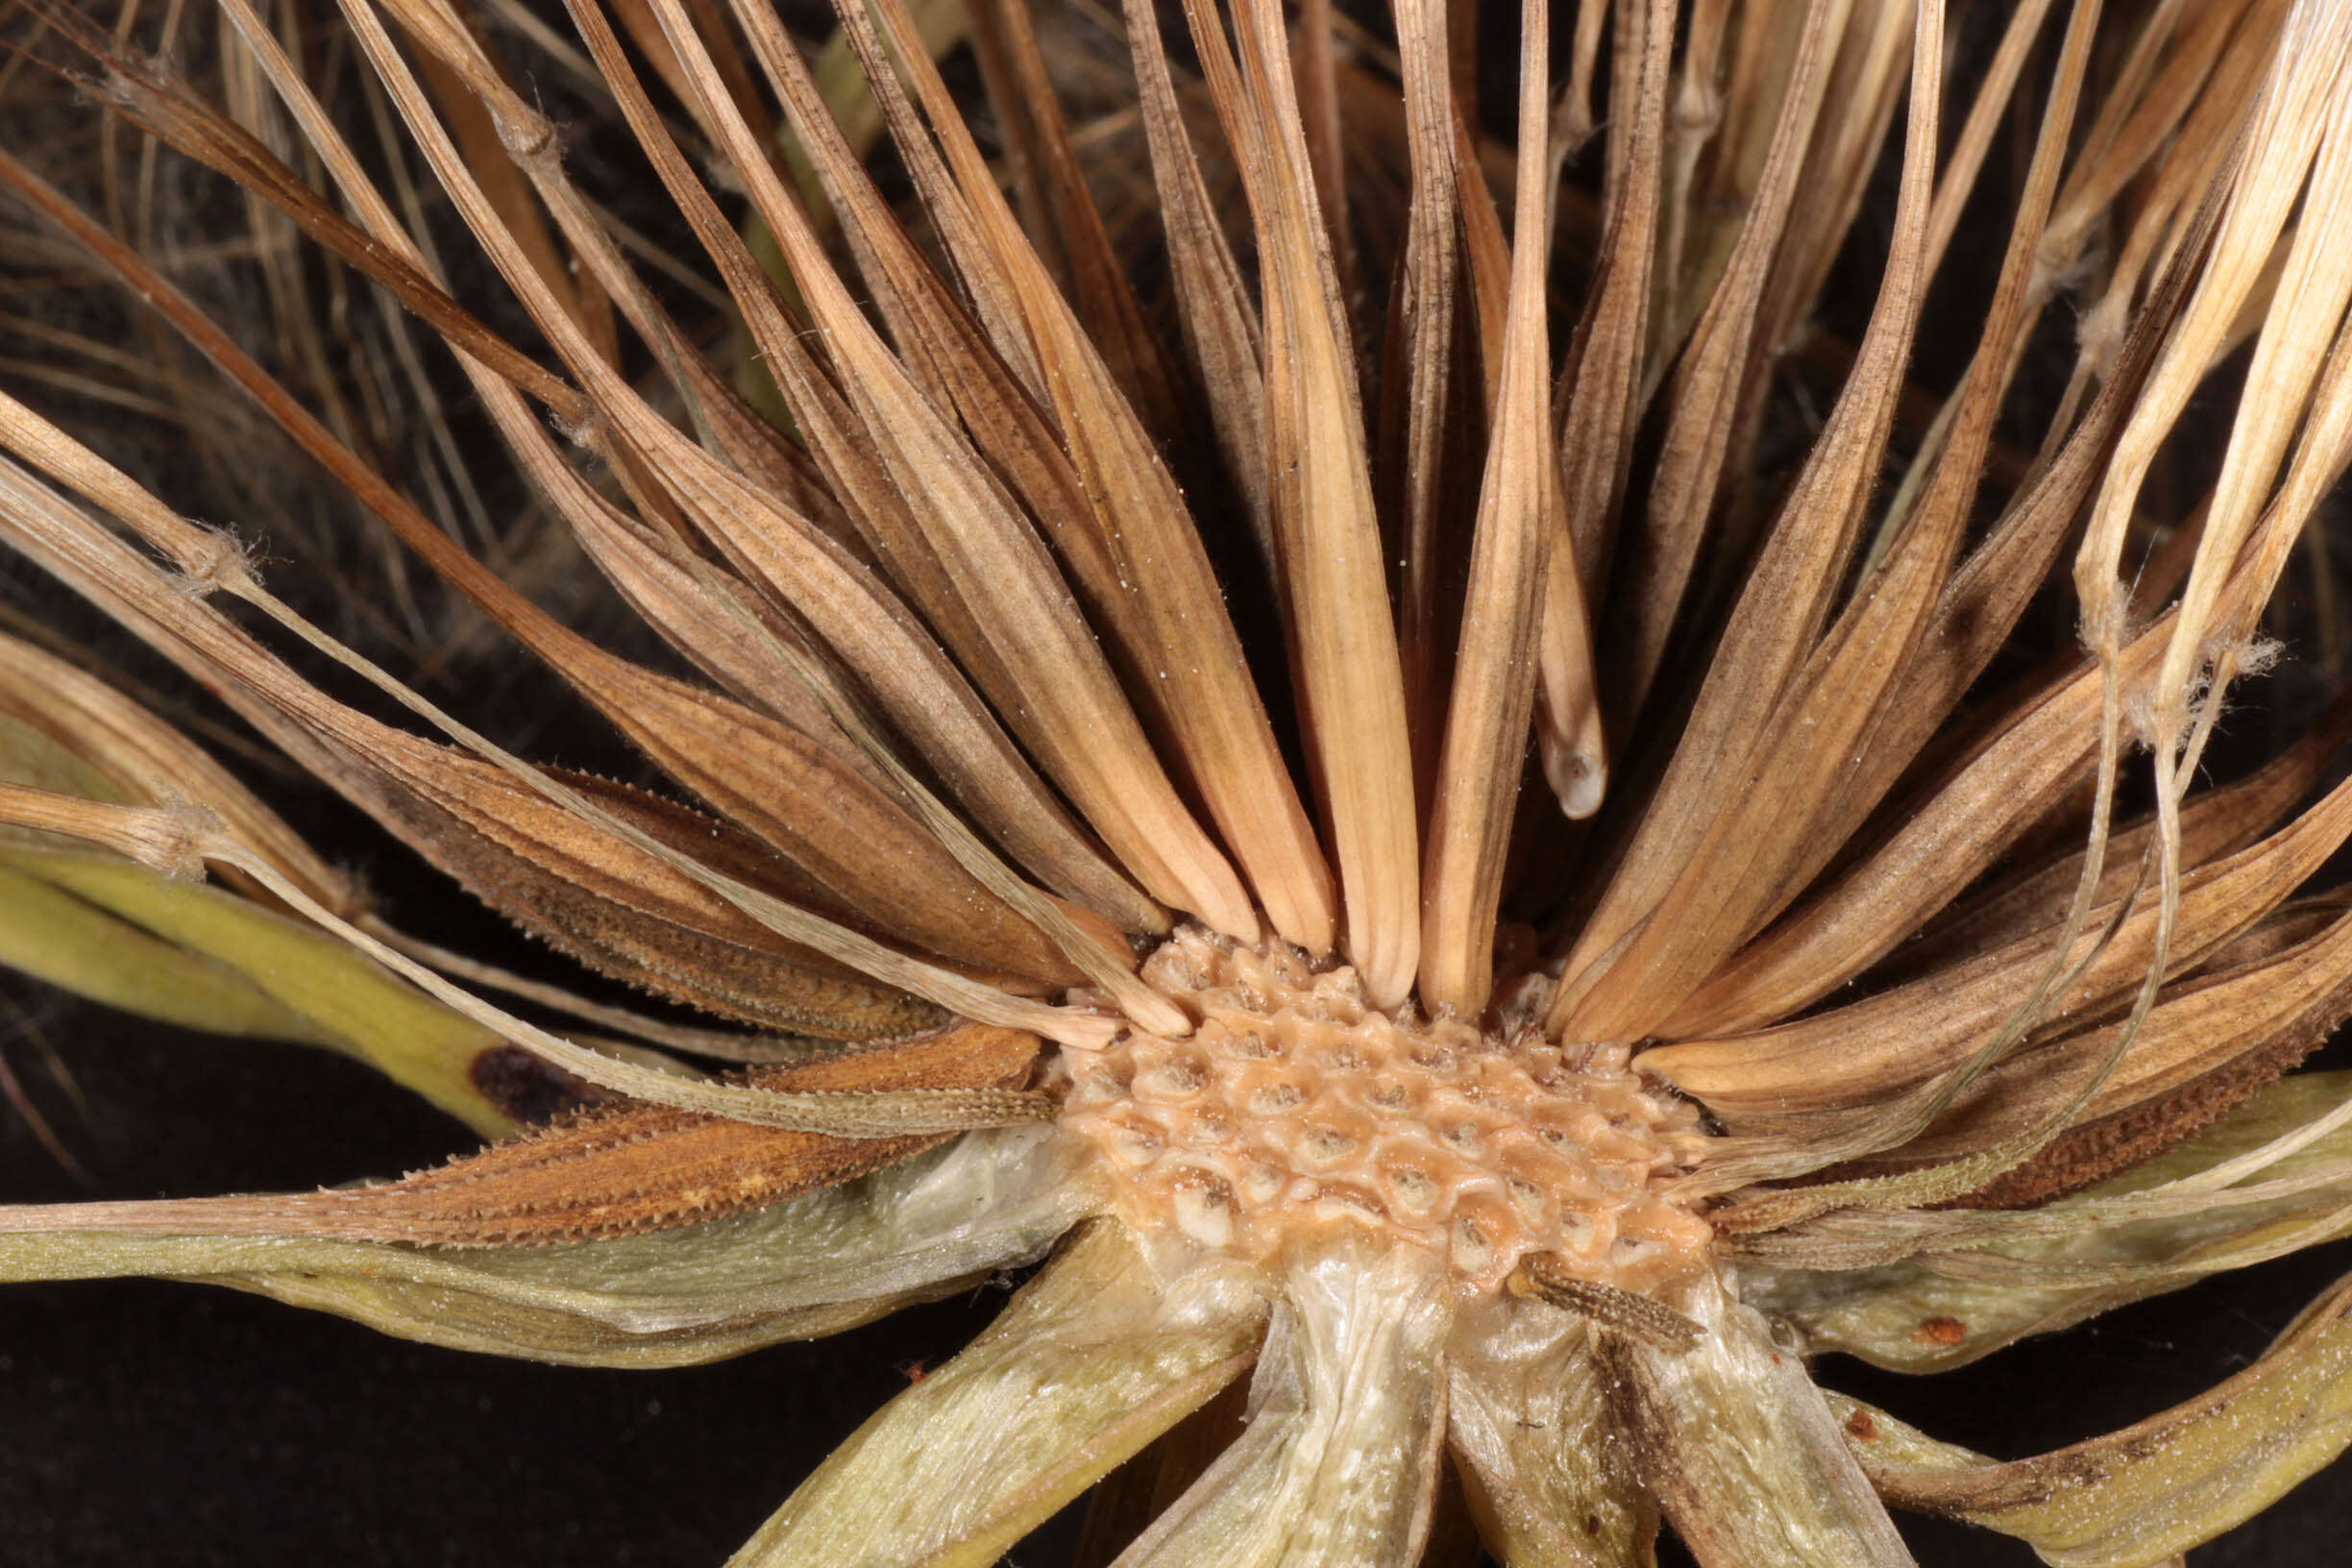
(1295, 1105)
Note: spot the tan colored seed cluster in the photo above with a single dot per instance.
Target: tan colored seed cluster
(1294, 1104)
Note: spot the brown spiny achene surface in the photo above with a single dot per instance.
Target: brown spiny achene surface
(614, 1170)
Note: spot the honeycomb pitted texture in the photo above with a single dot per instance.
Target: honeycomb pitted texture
(1295, 1105)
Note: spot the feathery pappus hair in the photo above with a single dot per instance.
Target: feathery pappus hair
(1478, 727)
